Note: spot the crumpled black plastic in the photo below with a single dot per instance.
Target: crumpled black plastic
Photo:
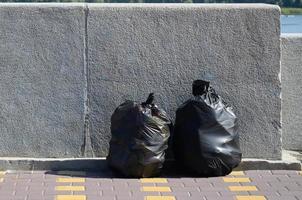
(205, 140)
(140, 134)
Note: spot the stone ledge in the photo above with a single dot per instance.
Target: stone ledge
(99, 164)
(291, 48)
(262, 164)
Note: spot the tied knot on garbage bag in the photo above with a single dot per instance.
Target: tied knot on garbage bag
(205, 140)
(140, 134)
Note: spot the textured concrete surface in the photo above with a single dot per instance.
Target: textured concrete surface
(292, 155)
(137, 49)
(291, 73)
(64, 68)
(42, 80)
(67, 185)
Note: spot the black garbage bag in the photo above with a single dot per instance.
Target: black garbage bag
(140, 134)
(205, 140)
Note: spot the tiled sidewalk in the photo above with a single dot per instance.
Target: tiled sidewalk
(247, 185)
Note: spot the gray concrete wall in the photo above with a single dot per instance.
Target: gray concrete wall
(42, 80)
(66, 67)
(291, 62)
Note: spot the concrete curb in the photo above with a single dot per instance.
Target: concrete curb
(99, 164)
(261, 164)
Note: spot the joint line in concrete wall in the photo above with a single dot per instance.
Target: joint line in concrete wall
(86, 148)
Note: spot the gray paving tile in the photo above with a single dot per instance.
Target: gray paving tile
(275, 185)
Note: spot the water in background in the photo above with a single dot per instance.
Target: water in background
(291, 24)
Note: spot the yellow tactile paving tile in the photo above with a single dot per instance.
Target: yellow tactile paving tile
(1, 180)
(242, 188)
(250, 198)
(155, 189)
(70, 188)
(70, 197)
(2, 173)
(237, 173)
(236, 180)
(300, 173)
(71, 173)
(159, 198)
(70, 180)
(154, 180)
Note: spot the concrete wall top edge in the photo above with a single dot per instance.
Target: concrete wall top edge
(46, 5)
(145, 5)
(291, 35)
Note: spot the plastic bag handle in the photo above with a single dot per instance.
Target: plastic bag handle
(150, 99)
(199, 87)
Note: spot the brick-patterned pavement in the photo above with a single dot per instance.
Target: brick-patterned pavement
(65, 185)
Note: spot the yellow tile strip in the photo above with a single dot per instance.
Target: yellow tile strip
(242, 188)
(300, 172)
(70, 180)
(2, 173)
(236, 180)
(250, 198)
(71, 197)
(154, 180)
(71, 173)
(70, 188)
(1, 180)
(237, 173)
(159, 198)
(155, 189)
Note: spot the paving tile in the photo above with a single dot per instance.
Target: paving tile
(250, 198)
(296, 193)
(201, 180)
(70, 180)
(53, 192)
(293, 187)
(155, 189)
(102, 198)
(234, 180)
(219, 198)
(124, 198)
(114, 193)
(275, 185)
(265, 193)
(184, 189)
(93, 193)
(272, 197)
(215, 189)
(224, 184)
(37, 196)
(237, 173)
(7, 192)
(159, 198)
(182, 194)
(153, 180)
(195, 183)
(242, 188)
(298, 197)
(70, 197)
(277, 172)
(70, 188)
